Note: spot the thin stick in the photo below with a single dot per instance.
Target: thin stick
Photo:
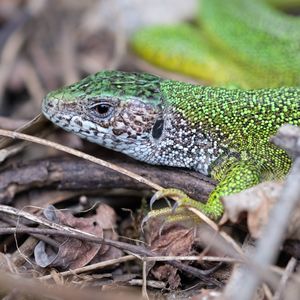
(75, 233)
(144, 285)
(19, 213)
(273, 235)
(44, 231)
(215, 227)
(279, 294)
(98, 161)
(93, 267)
(128, 248)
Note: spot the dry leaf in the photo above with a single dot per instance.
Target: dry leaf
(73, 253)
(108, 223)
(257, 203)
(174, 240)
(167, 273)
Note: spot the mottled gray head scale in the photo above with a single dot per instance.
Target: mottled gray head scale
(118, 110)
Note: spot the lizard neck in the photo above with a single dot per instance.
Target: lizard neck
(182, 144)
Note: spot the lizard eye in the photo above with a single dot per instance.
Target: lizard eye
(103, 109)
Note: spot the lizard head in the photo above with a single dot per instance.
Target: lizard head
(118, 110)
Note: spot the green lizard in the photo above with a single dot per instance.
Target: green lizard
(223, 133)
(250, 44)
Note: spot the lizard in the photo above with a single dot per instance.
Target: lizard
(248, 44)
(219, 132)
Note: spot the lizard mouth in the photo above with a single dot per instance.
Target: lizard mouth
(54, 110)
(50, 106)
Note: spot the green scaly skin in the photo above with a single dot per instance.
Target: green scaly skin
(247, 43)
(223, 133)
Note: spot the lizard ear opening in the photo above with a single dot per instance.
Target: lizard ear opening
(158, 128)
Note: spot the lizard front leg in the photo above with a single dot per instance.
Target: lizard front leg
(240, 176)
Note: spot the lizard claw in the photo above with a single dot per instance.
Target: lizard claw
(152, 214)
(173, 213)
(175, 206)
(154, 198)
(144, 221)
(158, 195)
(177, 195)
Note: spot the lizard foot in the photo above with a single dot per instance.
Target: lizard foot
(178, 212)
(181, 199)
(181, 214)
